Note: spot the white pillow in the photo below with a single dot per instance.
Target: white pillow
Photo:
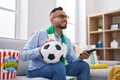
(93, 59)
(79, 49)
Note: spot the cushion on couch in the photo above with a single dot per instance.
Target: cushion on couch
(100, 72)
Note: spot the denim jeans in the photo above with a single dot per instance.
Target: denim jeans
(58, 71)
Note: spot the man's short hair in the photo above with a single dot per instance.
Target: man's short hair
(55, 9)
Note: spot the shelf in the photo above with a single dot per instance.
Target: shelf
(99, 48)
(107, 35)
(92, 32)
(109, 30)
(108, 48)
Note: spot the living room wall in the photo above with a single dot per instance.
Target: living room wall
(98, 6)
(33, 15)
(38, 14)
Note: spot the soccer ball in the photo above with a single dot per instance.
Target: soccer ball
(52, 52)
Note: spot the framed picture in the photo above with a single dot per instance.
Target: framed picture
(114, 26)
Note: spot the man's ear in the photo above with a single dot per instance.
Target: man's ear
(51, 20)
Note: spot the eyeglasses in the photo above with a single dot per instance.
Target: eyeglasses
(62, 16)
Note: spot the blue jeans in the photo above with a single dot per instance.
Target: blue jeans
(58, 71)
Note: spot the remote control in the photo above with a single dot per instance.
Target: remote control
(91, 50)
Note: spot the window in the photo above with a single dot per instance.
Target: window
(7, 18)
(69, 8)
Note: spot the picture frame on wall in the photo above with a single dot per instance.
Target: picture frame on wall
(114, 26)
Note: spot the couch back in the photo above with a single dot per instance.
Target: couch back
(15, 44)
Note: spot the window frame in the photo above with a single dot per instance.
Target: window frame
(15, 11)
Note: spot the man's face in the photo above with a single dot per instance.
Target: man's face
(59, 19)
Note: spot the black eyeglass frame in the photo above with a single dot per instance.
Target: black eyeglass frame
(62, 16)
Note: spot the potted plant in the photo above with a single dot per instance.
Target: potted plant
(99, 27)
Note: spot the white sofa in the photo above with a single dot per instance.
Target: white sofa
(102, 74)
(7, 43)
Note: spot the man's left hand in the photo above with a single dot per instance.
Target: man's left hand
(85, 55)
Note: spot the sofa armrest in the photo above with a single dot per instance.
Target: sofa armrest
(110, 63)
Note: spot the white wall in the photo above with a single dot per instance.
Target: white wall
(34, 15)
(106, 5)
(98, 6)
(38, 14)
(90, 6)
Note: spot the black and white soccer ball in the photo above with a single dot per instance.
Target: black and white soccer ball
(52, 52)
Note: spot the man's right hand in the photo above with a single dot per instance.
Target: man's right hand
(47, 40)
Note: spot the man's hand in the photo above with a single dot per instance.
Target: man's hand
(48, 40)
(85, 55)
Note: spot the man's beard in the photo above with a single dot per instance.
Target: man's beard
(62, 27)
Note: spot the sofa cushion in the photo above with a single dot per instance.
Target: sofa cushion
(22, 68)
(40, 78)
(98, 78)
(110, 63)
(25, 78)
(92, 59)
(100, 72)
(8, 43)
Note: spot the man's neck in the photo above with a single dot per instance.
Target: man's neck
(58, 30)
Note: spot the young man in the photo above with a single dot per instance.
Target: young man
(58, 71)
